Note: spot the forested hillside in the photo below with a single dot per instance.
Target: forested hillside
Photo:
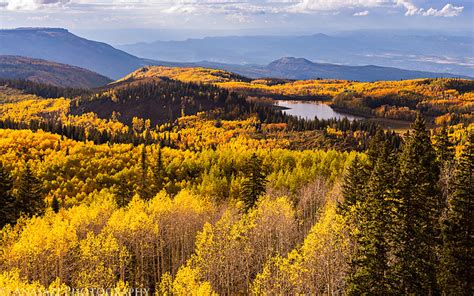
(62, 75)
(176, 183)
(445, 100)
(61, 46)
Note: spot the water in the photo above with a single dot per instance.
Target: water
(310, 109)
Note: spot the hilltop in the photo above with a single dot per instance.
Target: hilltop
(42, 71)
(60, 45)
(443, 98)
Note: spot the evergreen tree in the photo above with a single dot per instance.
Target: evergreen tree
(355, 181)
(159, 172)
(29, 199)
(418, 212)
(255, 182)
(370, 263)
(458, 228)
(55, 204)
(445, 152)
(374, 147)
(144, 192)
(7, 201)
(124, 194)
(444, 147)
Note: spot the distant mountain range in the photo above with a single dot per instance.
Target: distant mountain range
(434, 53)
(59, 45)
(299, 68)
(16, 67)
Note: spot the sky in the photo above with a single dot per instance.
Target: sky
(220, 17)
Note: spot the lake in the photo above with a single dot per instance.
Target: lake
(310, 109)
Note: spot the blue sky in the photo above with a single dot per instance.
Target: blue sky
(270, 16)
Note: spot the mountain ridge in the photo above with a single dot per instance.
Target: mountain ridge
(42, 71)
(61, 46)
(432, 53)
(304, 69)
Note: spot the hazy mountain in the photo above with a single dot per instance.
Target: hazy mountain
(59, 45)
(300, 68)
(428, 52)
(16, 67)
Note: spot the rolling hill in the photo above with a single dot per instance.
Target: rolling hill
(59, 45)
(42, 71)
(401, 99)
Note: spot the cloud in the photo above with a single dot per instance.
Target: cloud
(409, 6)
(325, 5)
(179, 9)
(447, 11)
(34, 4)
(361, 13)
(242, 8)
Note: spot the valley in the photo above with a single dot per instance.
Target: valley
(291, 178)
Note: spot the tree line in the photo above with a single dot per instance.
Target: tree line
(409, 237)
(44, 90)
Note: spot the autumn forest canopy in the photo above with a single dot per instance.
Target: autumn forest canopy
(190, 181)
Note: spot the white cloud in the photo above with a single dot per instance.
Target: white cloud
(33, 4)
(241, 8)
(409, 6)
(447, 11)
(361, 13)
(179, 8)
(324, 5)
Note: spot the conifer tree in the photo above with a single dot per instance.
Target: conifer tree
(458, 228)
(159, 172)
(29, 199)
(445, 152)
(353, 187)
(55, 204)
(255, 182)
(144, 193)
(7, 201)
(124, 193)
(418, 211)
(374, 147)
(370, 263)
(444, 147)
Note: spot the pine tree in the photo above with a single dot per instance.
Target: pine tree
(159, 172)
(458, 228)
(55, 204)
(124, 193)
(29, 199)
(355, 181)
(370, 263)
(255, 182)
(444, 147)
(144, 193)
(7, 201)
(445, 152)
(374, 147)
(418, 212)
